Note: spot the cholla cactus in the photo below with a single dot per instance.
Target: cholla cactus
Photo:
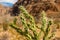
(30, 25)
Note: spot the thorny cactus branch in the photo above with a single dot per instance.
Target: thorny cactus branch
(27, 15)
(26, 27)
(45, 28)
(44, 21)
(21, 32)
(32, 22)
(47, 31)
(30, 25)
(24, 22)
(16, 28)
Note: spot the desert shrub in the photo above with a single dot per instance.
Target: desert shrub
(30, 28)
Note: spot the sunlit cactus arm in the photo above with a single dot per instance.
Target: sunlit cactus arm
(16, 28)
(45, 28)
(31, 23)
(45, 37)
(23, 20)
(21, 32)
(28, 23)
(13, 25)
(27, 15)
(44, 21)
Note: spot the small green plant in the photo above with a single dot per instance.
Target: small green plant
(5, 25)
(29, 25)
